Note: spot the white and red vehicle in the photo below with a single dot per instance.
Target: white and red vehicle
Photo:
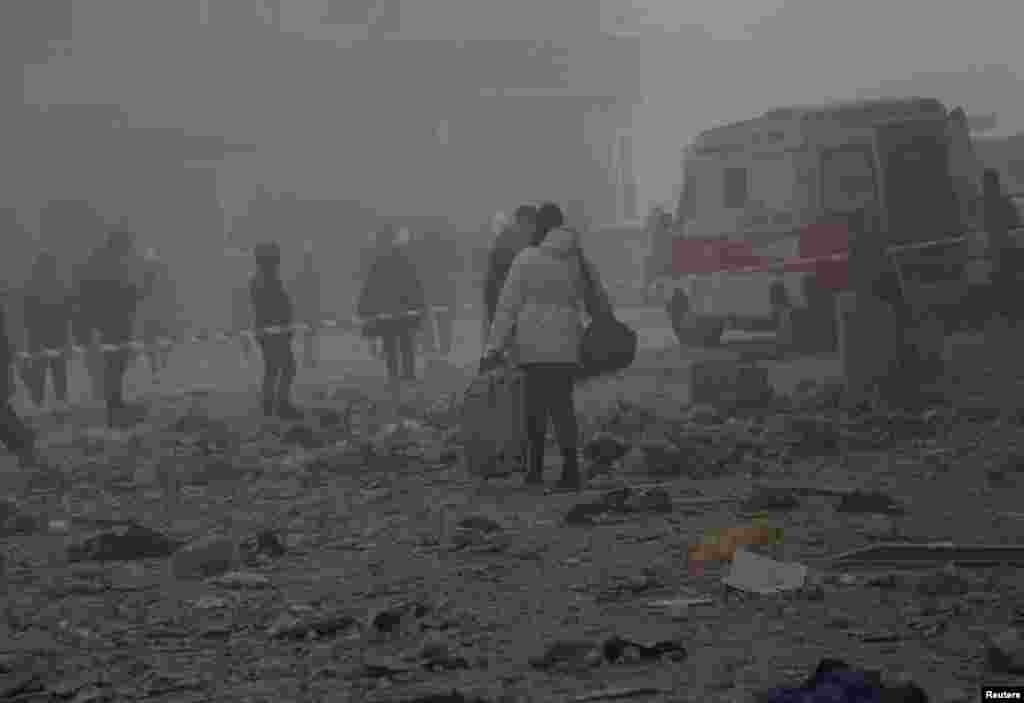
(763, 196)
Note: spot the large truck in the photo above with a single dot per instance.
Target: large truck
(762, 196)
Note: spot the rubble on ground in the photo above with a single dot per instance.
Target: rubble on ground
(350, 554)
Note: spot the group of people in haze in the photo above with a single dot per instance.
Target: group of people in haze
(534, 299)
(534, 302)
(116, 295)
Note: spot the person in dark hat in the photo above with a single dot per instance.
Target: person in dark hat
(272, 307)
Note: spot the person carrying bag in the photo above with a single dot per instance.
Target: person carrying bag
(538, 323)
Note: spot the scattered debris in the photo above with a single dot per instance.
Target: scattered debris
(264, 544)
(355, 555)
(242, 580)
(620, 502)
(768, 499)
(930, 554)
(1004, 652)
(721, 546)
(204, 558)
(869, 502)
(125, 542)
(392, 619)
(754, 573)
(581, 654)
(331, 625)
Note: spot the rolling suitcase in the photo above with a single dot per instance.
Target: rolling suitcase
(493, 427)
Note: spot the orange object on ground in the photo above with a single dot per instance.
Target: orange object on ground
(722, 546)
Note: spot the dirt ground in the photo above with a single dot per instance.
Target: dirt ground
(383, 591)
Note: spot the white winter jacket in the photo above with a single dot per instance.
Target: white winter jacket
(540, 313)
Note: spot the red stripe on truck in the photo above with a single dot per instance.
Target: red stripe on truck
(814, 242)
(822, 240)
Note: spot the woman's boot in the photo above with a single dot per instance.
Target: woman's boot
(571, 479)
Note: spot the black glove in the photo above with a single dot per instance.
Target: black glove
(492, 360)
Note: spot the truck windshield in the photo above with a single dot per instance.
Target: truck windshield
(920, 197)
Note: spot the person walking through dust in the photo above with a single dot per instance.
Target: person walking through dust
(539, 319)
(47, 314)
(306, 290)
(272, 307)
(393, 305)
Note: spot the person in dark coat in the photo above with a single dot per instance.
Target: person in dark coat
(47, 308)
(114, 282)
(272, 307)
(1000, 216)
(678, 309)
(306, 288)
(157, 315)
(15, 435)
(393, 305)
(375, 246)
(910, 366)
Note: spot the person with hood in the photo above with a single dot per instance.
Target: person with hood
(47, 312)
(393, 305)
(538, 322)
(272, 307)
(306, 287)
(157, 314)
(510, 240)
(114, 282)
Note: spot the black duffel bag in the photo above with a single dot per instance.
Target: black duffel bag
(608, 345)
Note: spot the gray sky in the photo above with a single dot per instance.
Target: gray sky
(736, 62)
(709, 61)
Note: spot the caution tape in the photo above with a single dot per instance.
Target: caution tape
(221, 337)
(135, 345)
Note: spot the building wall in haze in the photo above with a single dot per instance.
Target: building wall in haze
(487, 103)
(534, 98)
